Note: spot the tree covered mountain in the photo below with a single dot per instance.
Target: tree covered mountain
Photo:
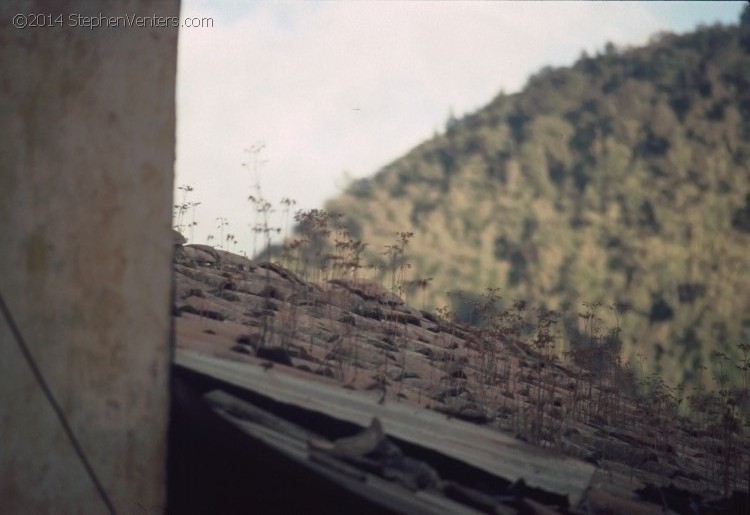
(624, 179)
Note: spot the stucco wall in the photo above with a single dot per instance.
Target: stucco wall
(87, 138)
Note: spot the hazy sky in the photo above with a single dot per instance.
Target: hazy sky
(337, 89)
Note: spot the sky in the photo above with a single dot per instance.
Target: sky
(334, 91)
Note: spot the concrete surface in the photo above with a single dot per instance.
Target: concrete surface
(87, 138)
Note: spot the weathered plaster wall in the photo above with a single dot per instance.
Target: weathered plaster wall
(87, 138)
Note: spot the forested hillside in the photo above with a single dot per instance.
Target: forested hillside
(624, 179)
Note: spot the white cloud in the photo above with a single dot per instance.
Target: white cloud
(349, 86)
